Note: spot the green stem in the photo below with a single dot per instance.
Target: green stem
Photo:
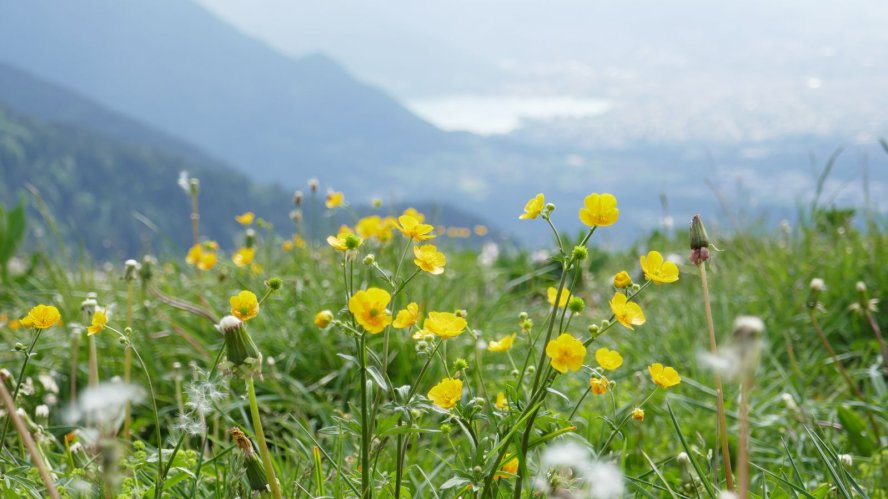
(365, 424)
(260, 438)
(18, 384)
(203, 443)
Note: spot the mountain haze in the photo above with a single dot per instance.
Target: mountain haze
(175, 66)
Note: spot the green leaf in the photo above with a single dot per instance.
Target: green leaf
(855, 428)
(454, 482)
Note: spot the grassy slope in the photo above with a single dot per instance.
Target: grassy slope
(309, 384)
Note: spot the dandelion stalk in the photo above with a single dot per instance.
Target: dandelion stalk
(365, 423)
(719, 391)
(28, 441)
(743, 450)
(699, 257)
(128, 359)
(260, 439)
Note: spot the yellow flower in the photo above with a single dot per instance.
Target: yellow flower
(508, 470)
(501, 402)
(599, 386)
(376, 227)
(100, 318)
(608, 359)
(657, 270)
(299, 242)
(599, 210)
(344, 240)
(429, 259)
(411, 228)
(42, 317)
(323, 318)
(664, 376)
(638, 414)
(287, 246)
(553, 292)
(411, 212)
(334, 200)
(503, 345)
(622, 280)
(627, 312)
(26, 322)
(244, 305)
(533, 207)
(369, 308)
(246, 218)
(203, 255)
(444, 324)
(407, 317)
(567, 353)
(243, 256)
(14, 324)
(446, 393)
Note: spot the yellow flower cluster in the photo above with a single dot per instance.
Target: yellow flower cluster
(203, 255)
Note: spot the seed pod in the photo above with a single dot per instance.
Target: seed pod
(255, 471)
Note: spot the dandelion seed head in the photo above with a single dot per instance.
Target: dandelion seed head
(105, 403)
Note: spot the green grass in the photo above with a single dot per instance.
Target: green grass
(310, 394)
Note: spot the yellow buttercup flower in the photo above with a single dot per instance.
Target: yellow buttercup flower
(376, 227)
(501, 402)
(622, 280)
(407, 317)
(26, 322)
(244, 305)
(429, 259)
(599, 210)
(444, 324)
(413, 229)
(203, 255)
(246, 218)
(508, 470)
(42, 317)
(15, 324)
(533, 207)
(567, 353)
(345, 239)
(658, 270)
(411, 212)
(287, 246)
(323, 318)
(628, 313)
(665, 377)
(502, 345)
(551, 293)
(446, 393)
(638, 414)
(243, 256)
(99, 319)
(599, 386)
(369, 308)
(608, 359)
(334, 199)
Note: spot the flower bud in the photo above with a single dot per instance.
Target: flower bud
(593, 329)
(576, 304)
(683, 459)
(816, 287)
(522, 317)
(369, 259)
(274, 283)
(605, 324)
(580, 253)
(194, 186)
(638, 414)
(313, 185)
(376, 202)
(847, 460)
(255, 471)
(622, 280)
(699, 238)
(531, 369)
(323, 318)
(296, 216)
(19, 347)
(445, 428)
(549, 208)
(460, 364)
(240, 351)
(352, 241)
(131, 267)
(297, 198)
(461, 313)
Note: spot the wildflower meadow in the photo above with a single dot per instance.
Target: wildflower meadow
(388, 358)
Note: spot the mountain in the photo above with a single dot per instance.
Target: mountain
(178, 68)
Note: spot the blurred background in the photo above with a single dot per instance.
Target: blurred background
(464, 109)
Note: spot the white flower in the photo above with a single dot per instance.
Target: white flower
(750, 323)
(861, 287)
(105, 403)
(817, 284)
(600, 480)
(184, 182)
(41, 411)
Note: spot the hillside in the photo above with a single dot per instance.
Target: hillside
(176, 67)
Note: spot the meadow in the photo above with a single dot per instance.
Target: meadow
(386, 360)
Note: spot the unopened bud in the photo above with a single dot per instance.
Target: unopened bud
(19, 347)
(369, 259)
(699, 238)
(847, 460)
(580, 253)
(274, 283)
(460, 364)
(461, 313)
(593, 329)
(377, 202)
(576, 304)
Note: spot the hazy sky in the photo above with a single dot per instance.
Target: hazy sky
(664, 69)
